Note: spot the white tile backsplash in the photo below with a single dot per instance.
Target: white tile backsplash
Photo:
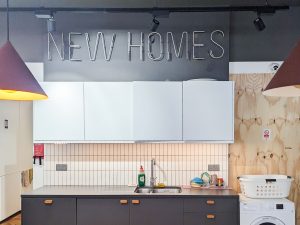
(118, 164)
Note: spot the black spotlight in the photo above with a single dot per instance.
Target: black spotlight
(51, 25)
(259, 23)
(155, 24)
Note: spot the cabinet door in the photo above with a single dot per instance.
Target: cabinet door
(9, 125)
(10, 195)
(208, 111)
(108, 111)
(61, 117)
(102, 212)
(156, 211)
(157, 111)
(35, 211)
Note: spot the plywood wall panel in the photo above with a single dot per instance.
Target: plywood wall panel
(254, 112)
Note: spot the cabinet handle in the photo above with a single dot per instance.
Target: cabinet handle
(123, 202)
(48, 202)
(210, 216)
(135, 202)
(210, 202)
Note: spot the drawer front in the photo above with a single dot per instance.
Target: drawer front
(103, 211)
(48, 211)
(202, 218)
(211, 205)
(156, 211)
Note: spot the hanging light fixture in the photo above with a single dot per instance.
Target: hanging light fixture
(16, 80)
(286, 81)
(259, 23)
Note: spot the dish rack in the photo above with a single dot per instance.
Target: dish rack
(265, 186)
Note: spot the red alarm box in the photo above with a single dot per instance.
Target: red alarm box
(38, 152)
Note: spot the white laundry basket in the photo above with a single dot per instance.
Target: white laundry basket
(265, 186)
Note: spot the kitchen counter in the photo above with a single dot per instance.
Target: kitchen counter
(77, 191)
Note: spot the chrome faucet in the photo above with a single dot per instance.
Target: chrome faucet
(152, 178)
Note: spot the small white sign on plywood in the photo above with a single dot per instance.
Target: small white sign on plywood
(266, 134)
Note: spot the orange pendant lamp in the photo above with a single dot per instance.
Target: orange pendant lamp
(16, 80)
(286, 81)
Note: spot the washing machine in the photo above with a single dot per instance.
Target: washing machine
(266, 211)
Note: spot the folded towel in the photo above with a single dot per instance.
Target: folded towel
(30, 176)
(25, 180)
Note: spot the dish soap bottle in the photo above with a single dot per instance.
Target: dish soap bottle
(141, 177)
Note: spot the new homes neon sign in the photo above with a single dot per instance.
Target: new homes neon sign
(189, 47)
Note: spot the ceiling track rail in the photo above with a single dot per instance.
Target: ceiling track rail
(261, 9)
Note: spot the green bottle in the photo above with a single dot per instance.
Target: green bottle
(141, 177)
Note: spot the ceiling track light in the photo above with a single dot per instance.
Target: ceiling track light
(48, 15)
(254, 8)
(51, 25)
(259, 23)
(155, 24)
(43, 14)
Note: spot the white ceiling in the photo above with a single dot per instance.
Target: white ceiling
(140, 3)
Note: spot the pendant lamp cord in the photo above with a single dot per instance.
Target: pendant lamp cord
(7, 20)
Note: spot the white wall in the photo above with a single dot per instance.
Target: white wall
(253, 67)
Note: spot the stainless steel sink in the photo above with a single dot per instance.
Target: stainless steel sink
(168, 189)
(143, 190)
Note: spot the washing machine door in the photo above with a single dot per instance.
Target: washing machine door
(267, 220)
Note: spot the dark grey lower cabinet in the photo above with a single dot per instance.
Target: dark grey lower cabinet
(150, 211)
(211, 211)
(48, 211)
(118, 210)
(102, 211)
(156, 211)
(210, 219)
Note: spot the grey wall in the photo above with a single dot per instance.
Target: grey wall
(273, 44)
(119, 68)
(246, 44)
(26, 34)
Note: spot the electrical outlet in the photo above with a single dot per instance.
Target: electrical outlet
(213, 167)
(61, 167)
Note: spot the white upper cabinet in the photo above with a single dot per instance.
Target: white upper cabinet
(108, 111)
(136, 111)
(208, 111)
(157, 111)
(61, 117)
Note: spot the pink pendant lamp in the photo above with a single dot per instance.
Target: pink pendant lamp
(286, 81)
(16, 80)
